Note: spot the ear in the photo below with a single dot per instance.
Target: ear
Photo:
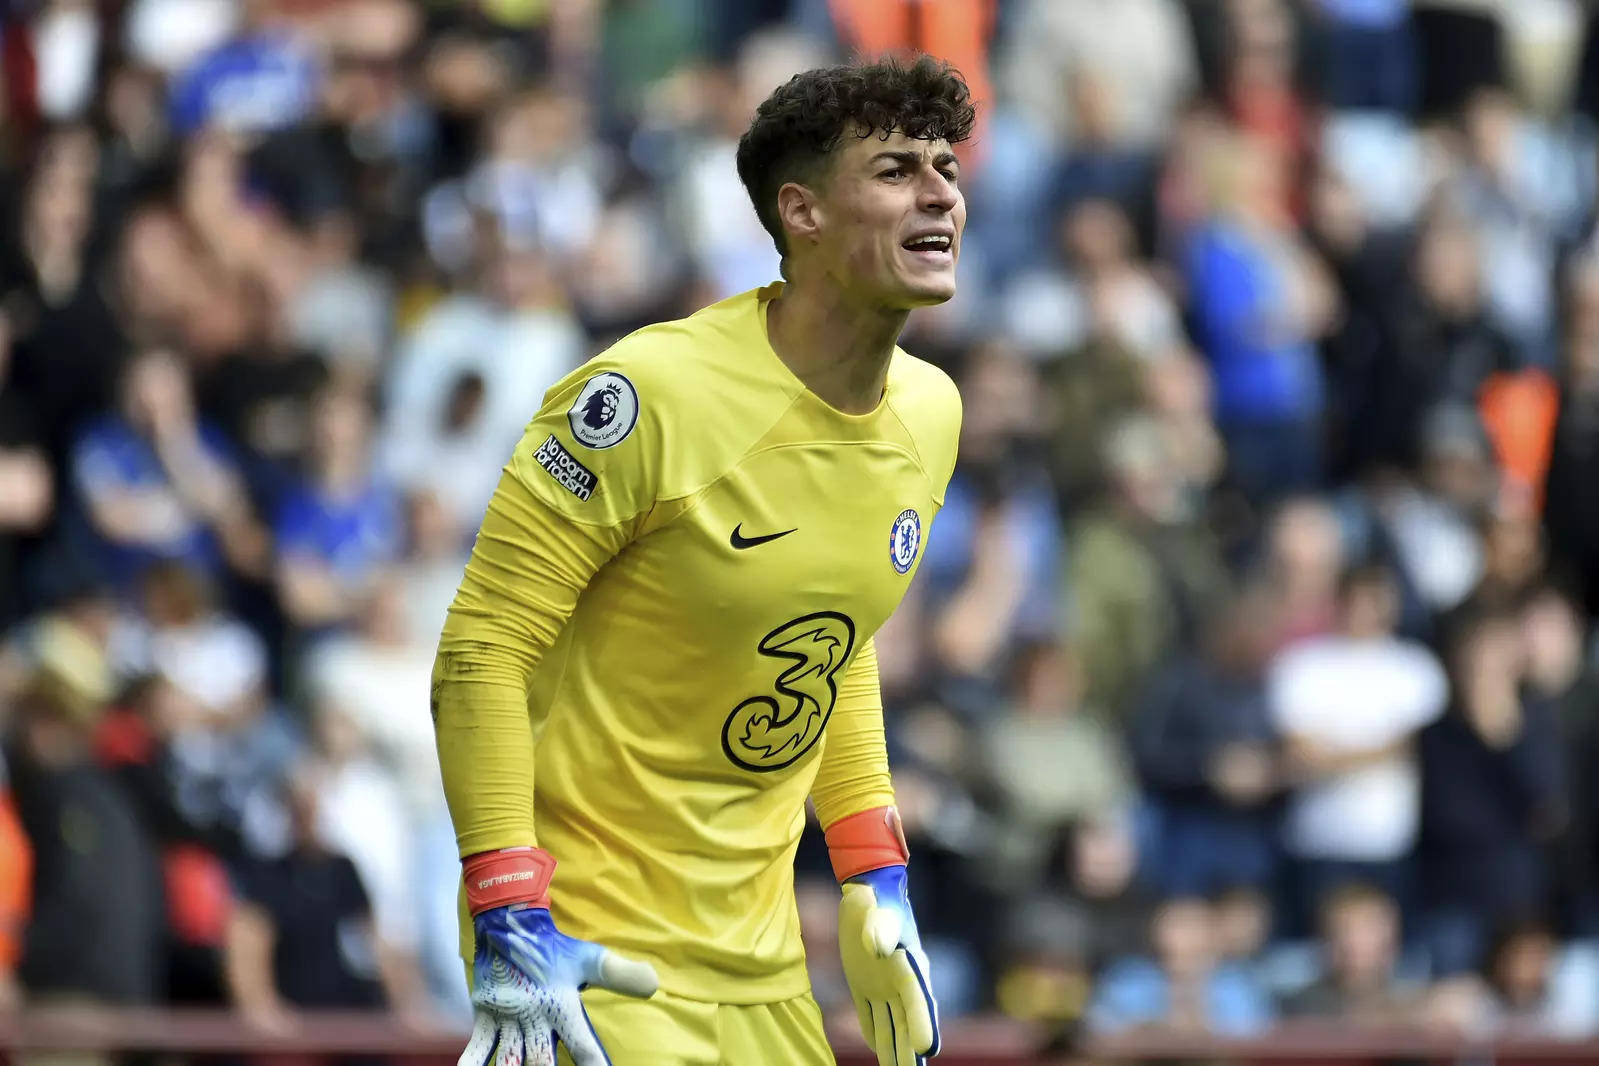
(799, 211)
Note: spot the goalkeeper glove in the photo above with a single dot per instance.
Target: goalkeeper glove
(877, 939)
(527, 974)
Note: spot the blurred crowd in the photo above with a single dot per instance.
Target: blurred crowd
(1250, 671)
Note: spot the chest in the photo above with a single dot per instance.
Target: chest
(795, 530)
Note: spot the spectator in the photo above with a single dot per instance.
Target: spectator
(1208, 754)
(1108, 297)
(263, 79)
(27, 482)
(1447, 345)
(68, 341)
(1560, 673)
(1349, 706)
(1514, 559)
(225, 744)
(1517, 190)
(157, 482)
(384, 806)
(1361, 983)
(1243, 918)
(302, 933)
(1091, 391)
(1369, 257)
(1184, 988)
(1142, 48)
(1493, 797)
(1260, 301)
(431, 569)
(82, 942)
(732, 252)
(1096, 873)
(1529, 989)
(1537, 988)
(541, 183)
(1050, 761)
(1571, 513)
(989, 582)
(213, 660)
(1260, 88)
(135, 741)
(1431, 520)
(1125, 305)
(340, 524)
(1043, 974)
(1304, 557)
(1141, 573)
(469, 378)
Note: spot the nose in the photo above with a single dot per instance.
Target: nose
(937, 193)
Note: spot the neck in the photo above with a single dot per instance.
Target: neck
(840, 349)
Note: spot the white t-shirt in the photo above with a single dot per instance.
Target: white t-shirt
(1357, 695)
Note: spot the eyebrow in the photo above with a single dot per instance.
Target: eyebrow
(910, 158)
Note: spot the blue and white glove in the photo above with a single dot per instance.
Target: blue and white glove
(526, 973)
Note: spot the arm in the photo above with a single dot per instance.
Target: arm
(136, 515)
(522, 582)
(561, 512)
(853, 776)
(1310, 759)
(878, 941)
(310, 593)
(27, 489)
(248, 967)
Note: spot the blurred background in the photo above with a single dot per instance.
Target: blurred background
(1249, 676)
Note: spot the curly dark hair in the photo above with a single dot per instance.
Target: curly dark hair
(798, 126)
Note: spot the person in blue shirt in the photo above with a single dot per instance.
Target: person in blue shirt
(264, 79)
(155, 482)
(1183, 987)
(1260, 300)
(339, 526)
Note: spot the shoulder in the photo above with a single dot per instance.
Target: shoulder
(923, 387)
(665, 364)
(697, 392)
(926, 401)
(662, 412)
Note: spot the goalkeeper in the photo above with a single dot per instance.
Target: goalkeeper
(662, 645)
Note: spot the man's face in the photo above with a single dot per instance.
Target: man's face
(1361, 936)
(889, 219)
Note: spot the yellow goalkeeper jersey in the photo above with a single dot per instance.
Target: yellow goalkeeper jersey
(662, 643)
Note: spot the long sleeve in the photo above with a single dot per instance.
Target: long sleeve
(853, 776)
(561, 512)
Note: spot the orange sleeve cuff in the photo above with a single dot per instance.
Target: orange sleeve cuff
(511, 875)
(866, 841)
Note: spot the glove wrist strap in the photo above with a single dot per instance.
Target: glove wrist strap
(510, 875)
(866, 841)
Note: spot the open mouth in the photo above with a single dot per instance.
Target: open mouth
(935, 248)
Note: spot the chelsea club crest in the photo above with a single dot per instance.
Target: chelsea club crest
(904, 540)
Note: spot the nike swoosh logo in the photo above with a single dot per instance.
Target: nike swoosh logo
(740, 542)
